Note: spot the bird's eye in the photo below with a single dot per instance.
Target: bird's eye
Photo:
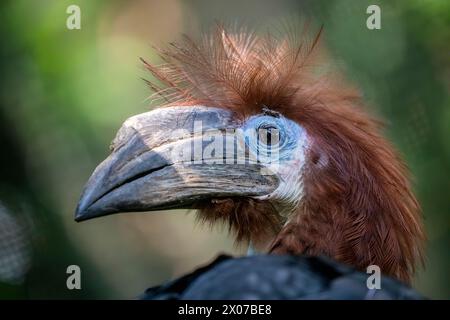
(271, 138)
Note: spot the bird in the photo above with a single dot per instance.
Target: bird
(251, 133)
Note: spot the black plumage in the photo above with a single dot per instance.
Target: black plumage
(274, 277)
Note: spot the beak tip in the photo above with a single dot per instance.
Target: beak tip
(82, 211)
(79, 214)
(87, 210)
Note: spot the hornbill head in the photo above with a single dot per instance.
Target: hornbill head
(251, 136)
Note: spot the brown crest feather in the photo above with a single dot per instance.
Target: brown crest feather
(357, 206)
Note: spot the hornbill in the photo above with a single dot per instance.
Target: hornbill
(321, 195)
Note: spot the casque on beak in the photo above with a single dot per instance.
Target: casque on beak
(162, 159)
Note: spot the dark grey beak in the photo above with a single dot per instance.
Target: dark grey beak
(162, 159)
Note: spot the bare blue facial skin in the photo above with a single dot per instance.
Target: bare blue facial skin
(277, 137)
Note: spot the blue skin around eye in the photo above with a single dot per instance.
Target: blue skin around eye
(289, 133)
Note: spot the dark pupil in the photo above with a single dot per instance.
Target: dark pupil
(268, 132)
(269, 136)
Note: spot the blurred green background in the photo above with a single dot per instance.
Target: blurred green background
(64, 93)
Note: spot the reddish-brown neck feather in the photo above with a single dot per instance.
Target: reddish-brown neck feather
(357, 205)
(358, 208)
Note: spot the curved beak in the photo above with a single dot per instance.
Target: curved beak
(173, 158)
